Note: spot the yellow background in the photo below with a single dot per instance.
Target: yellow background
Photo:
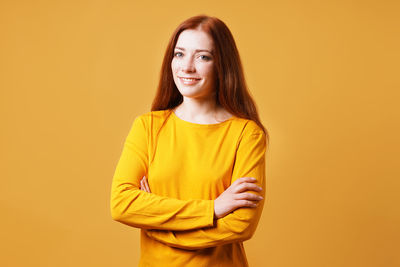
(325, 77)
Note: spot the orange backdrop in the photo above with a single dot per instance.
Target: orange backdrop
(325, 77)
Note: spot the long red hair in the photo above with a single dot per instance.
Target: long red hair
(231, 90)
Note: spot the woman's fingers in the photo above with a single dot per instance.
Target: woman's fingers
(240, 194)
(244, 179)
(247, 200)
(142, 187)
(249, 196)
(247, 203)
(146, 184)
(245, 186)
(235, 196)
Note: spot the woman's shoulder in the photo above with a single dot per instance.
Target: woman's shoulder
(253, 128)
(247, 126)
(153, 120)
(153, 115)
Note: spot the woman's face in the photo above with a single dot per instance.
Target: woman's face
(193, 60)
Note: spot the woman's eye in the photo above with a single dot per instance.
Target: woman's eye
(205, 57)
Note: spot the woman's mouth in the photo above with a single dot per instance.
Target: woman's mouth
(189, 81)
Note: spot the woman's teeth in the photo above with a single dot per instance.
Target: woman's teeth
(189, 81)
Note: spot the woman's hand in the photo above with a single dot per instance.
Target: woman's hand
(144, 185)
(235, 197)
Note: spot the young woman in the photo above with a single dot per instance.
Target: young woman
(192, 170)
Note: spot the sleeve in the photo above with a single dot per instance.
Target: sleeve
(240, 224)
(137, 208)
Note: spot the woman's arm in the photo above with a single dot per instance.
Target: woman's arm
(235, 196)
(137, 208)
(239, 225)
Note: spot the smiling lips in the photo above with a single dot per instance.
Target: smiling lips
(189, 81)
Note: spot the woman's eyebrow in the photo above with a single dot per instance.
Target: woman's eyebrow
(197, 50)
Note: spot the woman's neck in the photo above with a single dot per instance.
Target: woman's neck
(201, 111)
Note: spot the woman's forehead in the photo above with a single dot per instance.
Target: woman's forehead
(194, 40)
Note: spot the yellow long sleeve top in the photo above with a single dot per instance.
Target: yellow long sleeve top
(188, 165)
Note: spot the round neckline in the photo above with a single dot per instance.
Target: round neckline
(207, 125)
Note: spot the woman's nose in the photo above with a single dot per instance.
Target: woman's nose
(188, 65)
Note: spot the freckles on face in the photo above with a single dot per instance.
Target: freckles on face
(193, 63)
